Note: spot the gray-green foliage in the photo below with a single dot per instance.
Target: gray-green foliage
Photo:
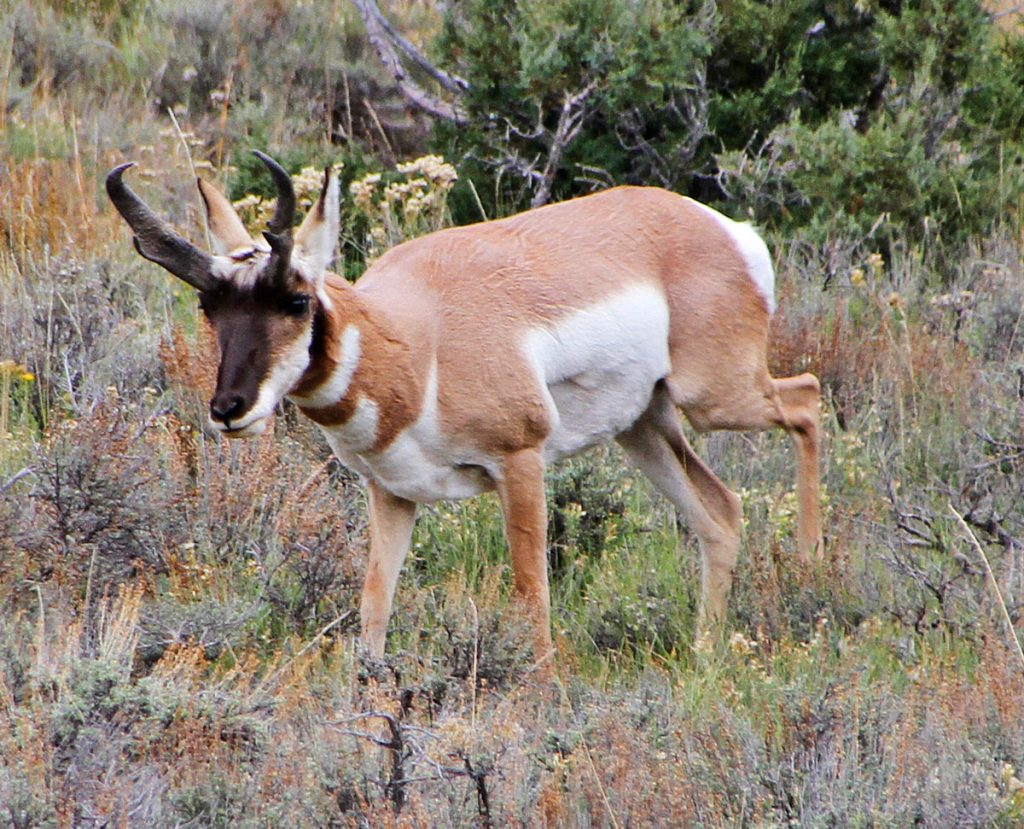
(177, 616)
(842, 118)
(636, 71)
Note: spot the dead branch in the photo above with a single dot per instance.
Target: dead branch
(690, 109)
(570, 121)
(388, 43)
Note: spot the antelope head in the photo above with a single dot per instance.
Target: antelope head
(263, 299)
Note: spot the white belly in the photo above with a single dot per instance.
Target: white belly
(597, 367)
(410, 470)
(600, 367)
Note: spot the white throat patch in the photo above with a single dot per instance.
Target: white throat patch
(333, 390)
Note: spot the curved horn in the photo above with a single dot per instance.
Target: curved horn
(154, 238)
(284, 214)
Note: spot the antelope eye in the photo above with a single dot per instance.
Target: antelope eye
(296, 306)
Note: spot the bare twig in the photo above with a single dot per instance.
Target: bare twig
(476, 648)
(387, 43)
(570, 121)
(1007, 12)
(394, 787)
(276, 674)
(600, 785)
(323, 632)
(479, 778)
(450, 83)
(992, 580)
(17, 476)
(380, 127)
(597, 177)
(476, 198)
(195, 175)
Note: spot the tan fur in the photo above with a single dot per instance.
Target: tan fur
(390, 373)
(443, 393)
(226, 229)
(521, 489)
(463, 297)
(391, 522)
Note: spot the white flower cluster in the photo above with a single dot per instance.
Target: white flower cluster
(405, 207)
(256, 211)
(363, 191)
(432, 167)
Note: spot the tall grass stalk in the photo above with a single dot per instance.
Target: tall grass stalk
(992, 581)
(192, 168)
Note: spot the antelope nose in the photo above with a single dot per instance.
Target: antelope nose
(226, 407)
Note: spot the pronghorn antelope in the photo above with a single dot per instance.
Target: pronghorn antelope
(470, 359)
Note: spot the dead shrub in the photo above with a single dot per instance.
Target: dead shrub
(106, 502)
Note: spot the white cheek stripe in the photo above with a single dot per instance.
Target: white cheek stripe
(333, 390)
(754, 252)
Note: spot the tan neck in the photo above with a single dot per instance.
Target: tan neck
(377, 348)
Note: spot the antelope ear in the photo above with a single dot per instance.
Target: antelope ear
(226, 229)
(317, 238)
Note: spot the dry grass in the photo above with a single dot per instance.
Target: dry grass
(177, 637)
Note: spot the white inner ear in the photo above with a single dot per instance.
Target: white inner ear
(317, 238)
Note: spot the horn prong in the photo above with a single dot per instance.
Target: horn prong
(280, 257)
(280, 243)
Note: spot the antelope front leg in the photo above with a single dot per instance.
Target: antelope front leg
(521, 490)
(391, 521)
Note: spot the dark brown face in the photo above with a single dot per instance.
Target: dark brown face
(264, 333)
(261, 303)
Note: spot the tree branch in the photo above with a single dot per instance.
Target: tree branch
(388, 42)
(570, 120)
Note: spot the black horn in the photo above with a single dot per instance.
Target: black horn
(280, 256)
(284, 213)
(154, 238)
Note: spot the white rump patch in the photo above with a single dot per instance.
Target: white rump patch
(754, 252)
(599, 367)
(333, 389)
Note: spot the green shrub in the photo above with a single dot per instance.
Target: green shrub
(636, 70)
